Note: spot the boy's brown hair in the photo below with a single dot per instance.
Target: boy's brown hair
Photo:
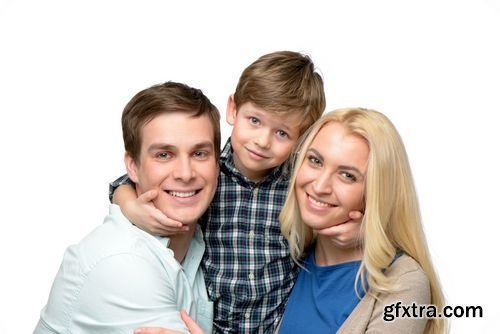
(283, 82)
(165, 98)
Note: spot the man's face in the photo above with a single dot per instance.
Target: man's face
(178, 159)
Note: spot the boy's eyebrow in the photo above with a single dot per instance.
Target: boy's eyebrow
(287, 128)
(259, 113)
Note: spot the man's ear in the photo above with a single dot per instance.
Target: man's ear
(231, 110)
(131, 168)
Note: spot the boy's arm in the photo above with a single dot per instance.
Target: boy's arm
(141, 210)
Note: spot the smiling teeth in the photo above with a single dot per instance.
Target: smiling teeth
(182, 194)
(318, 203)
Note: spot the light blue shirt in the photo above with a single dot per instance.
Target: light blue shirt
(119, 278)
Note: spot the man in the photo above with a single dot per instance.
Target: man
(120, 277)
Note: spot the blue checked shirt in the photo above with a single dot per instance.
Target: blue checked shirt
(248, 269)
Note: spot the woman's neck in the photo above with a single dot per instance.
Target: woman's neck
(328, 254)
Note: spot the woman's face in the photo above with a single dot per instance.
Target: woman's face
(330, 181)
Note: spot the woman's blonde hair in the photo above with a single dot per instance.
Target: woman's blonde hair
(391, 221)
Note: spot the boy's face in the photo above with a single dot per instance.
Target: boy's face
(178, 159)
(261, 140)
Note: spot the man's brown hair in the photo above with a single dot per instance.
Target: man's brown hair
(165, 98)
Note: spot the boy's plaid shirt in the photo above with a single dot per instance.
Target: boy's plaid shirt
(247, 265)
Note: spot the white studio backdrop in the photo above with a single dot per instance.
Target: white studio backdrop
(67, 68)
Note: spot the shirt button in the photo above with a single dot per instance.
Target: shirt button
(247, 315)
(251, 234)
(250, 276)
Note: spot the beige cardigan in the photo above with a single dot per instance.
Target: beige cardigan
(368, 316)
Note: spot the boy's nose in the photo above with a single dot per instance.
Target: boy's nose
(263, 139)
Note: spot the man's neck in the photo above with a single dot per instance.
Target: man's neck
(179, 243)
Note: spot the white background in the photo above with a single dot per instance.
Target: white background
(67, 68)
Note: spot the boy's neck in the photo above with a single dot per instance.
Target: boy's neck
(179, 243)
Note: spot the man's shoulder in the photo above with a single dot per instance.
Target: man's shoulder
(117, 237)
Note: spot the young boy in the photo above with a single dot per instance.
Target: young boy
(247, 266)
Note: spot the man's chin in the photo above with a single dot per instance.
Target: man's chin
(188, 218)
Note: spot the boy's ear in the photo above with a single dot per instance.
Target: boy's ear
(231, 110)
(131, 168)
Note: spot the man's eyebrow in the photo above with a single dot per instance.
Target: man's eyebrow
(204, 144)
(165, 146)
(161, 146)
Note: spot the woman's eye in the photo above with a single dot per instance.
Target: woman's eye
(314, 161)
(349, 176)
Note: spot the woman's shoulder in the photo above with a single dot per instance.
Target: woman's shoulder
(410, 282)
(405, 269)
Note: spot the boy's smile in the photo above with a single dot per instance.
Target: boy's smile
(261, 140)
(255, 155)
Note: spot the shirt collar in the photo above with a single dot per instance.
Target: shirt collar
(194, 255)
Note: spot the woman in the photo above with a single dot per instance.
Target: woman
(354, 160)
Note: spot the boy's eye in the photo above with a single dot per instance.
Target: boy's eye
(282, 134)
(254, 120)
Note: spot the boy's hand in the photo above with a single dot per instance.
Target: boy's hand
(190, 323)
(142, 212)
(347, 233)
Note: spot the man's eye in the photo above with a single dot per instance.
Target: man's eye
(200, 154)
(163, 155)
